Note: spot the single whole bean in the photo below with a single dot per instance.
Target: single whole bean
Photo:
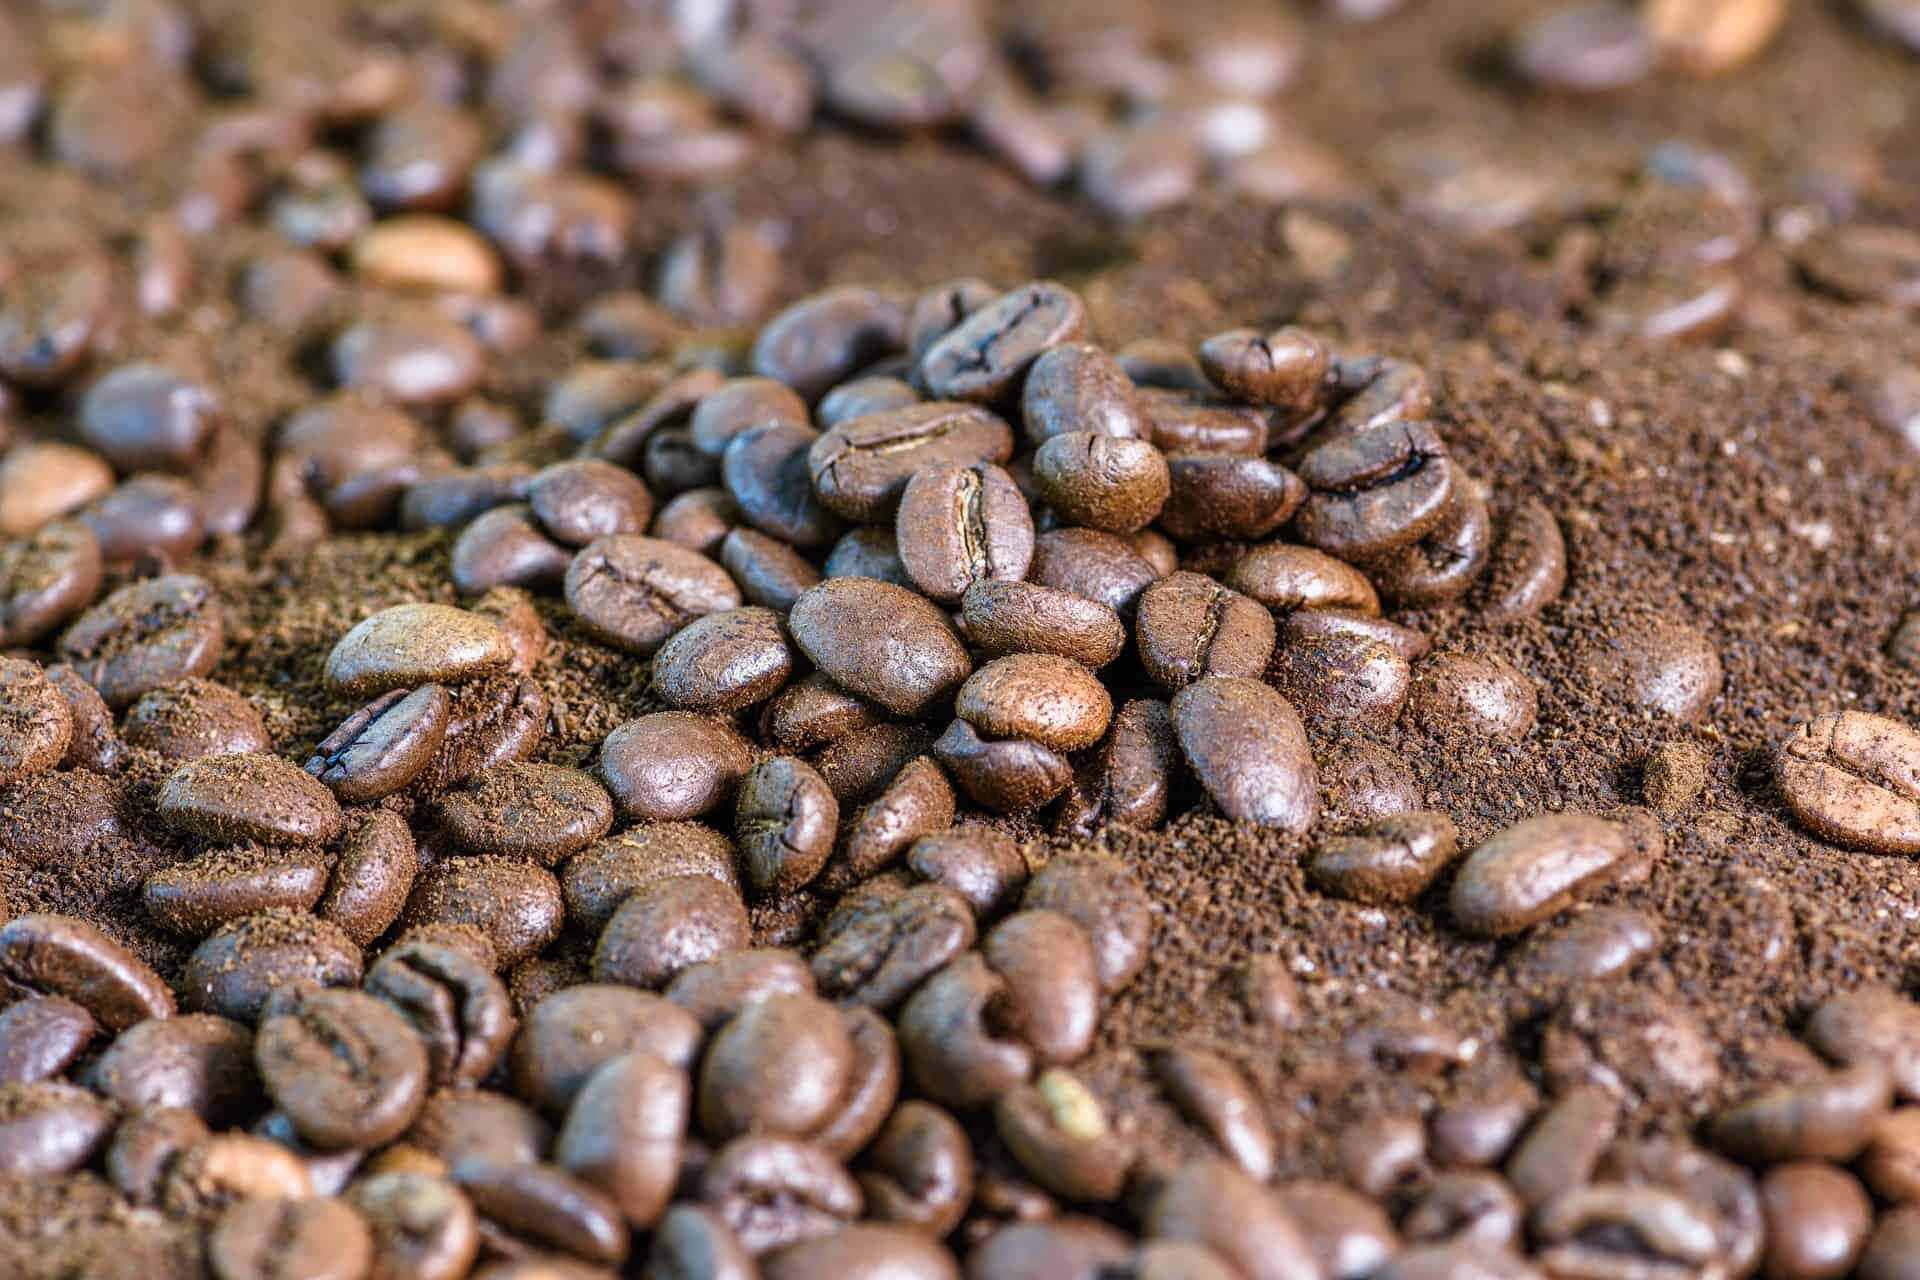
(1210, 1202)
(876, 957)
(1214, 496)
(1287, 368)
(919, 1170)
(1212, 1094)
(1007, 775)
(422, 1226)
(634, 591)
(1049, 699)
(714, 990)
(1248, 748)
(1189, 626)
(1823, 1119)
(625, 1133)
(668, 925)
(779, 1065)
(1004, 618)
(951, 1049)
(1076, 386)
(769, 473)
(1528, 567)
(672, 765)
(1058, 1132)
(981, 864)
(769, 571)
(1854, 778)
(775, 1191)
(724, 661)
(259, 1239)
(961, 524)
(1093, 564)
(63, 956)
(1375, 490)
(451, 998)
(1528, 871)
(145, 635)
(1285, 577)
(1111, 483)
(880, 642)
(986, 356)
(383, 746)
(861, 468)
(785, 818)
(345, 1067)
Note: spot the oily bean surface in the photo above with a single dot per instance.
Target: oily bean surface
(1528, 871)
(1248, 748)
(1854, 778)
(880, 642)
(958, 525)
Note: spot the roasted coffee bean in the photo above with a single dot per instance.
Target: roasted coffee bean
(919, 1170)
(194, 718)
(1093, 564)
(877, 957)
(671, 465)
(1049, 699)
(573, 1033)
(879, 642)
(820, 340)
(692, 1241)
(46, 578)
(1076, 386)
(548, 1205)
(724, 661)
(785, 818)
(858, 766)
(1130, 779)
(1286, 368)
(779, 1066)
(1052, 990)
(1818, 1219)
(197, 1062)
(1062, 1246)
(35, 725)
(625, 1132)
(1392, 860)
(1214, 1096)
(1854, 778)
(1528, 567)
(1581, 1228)
(672, 765)
(1314, 625)
(586, 499)
(774, 1191)
(595, 394)
(625, 440)
(383, 746)
(62, 956)
(714, 990)
(1196, 422)
(1823, 1119)
(1189, 626)
(1563, 1145)
(938, 310)
(1376, 490)
(195, 897)
(415, 644)
(415, 357)
(460, 1011)
(1527, 872)
(769, 473)
(1892, 1248)
(960, 524)
(948, 1039)
(236, 969)
(146, 1144)
(1469, 694)
(634, 592)
(50, 1128)
(860, 468)
(346, 1068)
(540, 812)
(1005, 618)
(981, 864)
(1595, 943)
(1006, 775)
(93, 744)
(1102, 482)
(1284, 577)
(1098, 894)
(422, 1226)
(490, 722)
(41, 481)
(1341, 679)
(598, 879)
(1222, 496)
(1869, 1025)
(146, 417)
(1246, 745)
(248, 796)
(1443, 564)
(1346, 1233)
(145, 635)
(1466, 1209)
(515, 904)
(372, 876)
(1652, 662)
(873, 1086)
(1210, 1202)
(868, 552)
(986, 355)
(866, 1252)
(1583, 48)
(667, 925)
(148, 515)
(1058, 1132)
(916, 802)
(769, 572)
(698, 520)
(739, 406)
(41, 1036)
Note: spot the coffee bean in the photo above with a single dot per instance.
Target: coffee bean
(1592, 47)
(692, 1240)
(724, 661)
(1563, 1145)
(145, 1145)
(415, 644)
(571, 1034)
(384, 745)
(786, 819)
(1830, 1118)
(667, 925)
(1653, 662)
(35, 724)
(862, 396)
(714, 990)
(1098, 894)
(548, 1205)
(698, 520)
(861, 468)
(1222, 496)
(1006, 775)
(1468, 694)
(193, 718)
(981, 864)
(43, 480)
(821, 339)
(917, 801)
(1093, 564)
(1575, 1227)
(858, 766)
(1130, 778)
(346, 1069)
(775, 1192)
(1818, 1219)
(1894, 1245)
(1284, 577)
(1466, 1208)
(489, 722)
(1863, 262)
(1210, 1202)
(154, 516)
(1443, 565)
(1189, 626)
(1314, 625)
(1102, 482)
(949, 1042)
(460, 1011)
(1393, 860)
(1854, 778)
(625, 1132)
(634, 592)
(919, 1170)
(868, 552)
(769, 473)
(1049, 699)
(41, 1036)
(769, 572)
(875, 958)
(672, 765)
(671, 465)
(873, 1086)
(1129, 172)
(958, 525)
(540, 812)
(1376, 490)
(1052, 994)
(145, 635)
(198, 1062)
(986, 355)
(585, 499)
(195, 897)
(939, 309)
(248, 796)
(56, 304)
(421, 1225)
(50, 1128)
(865, 1252)
(1076, 386)
(740, 405)
(1196, 421)
(1058, 1132)
(592, 395)
(1868, 1025)
(1286, 368)
(1595, 943)
(1212, 1094)
(146, 417)
(597, 880)
(1346, 1232)
(1890, 1163)
(67, 957)
(879, 642)
(1004, 618)
(777, 1066)
(1341, 679)
(414, 357)
(1529, 871)
(237, 968)
(503, 547)
(1246, 745)
(1063, 1246)
(46, 578)
(515, 904)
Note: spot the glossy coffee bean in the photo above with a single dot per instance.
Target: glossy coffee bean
(194, 718)
(1051, 700)
(738, 406)
(347, 1070)
(598, 879)
(986, 355)
(64, 956)
(1189, 626)
(879, 642)
(672, 765)
(1473, 695)
(571, 1034)
(248, 796)
(1866, 1025)
(1444, 564)
(1654, 662)
(860, 468)
(919, 1169)
(195, 897)
(451, 998)
(1375, 491)
(515, 904)
(1222, 496)
(1285, 577)
(1854, 778)
(692, 1240)
(384, 746)
(1115, 484)
(1210, 1202)
(668, 925)
(634, 592)
(625, 1133)
(1212, 1094)
(239, 967)
(954, 1054)
(1076, 386)
(198, 1062)
(820, 340)
(505, 548)
(983, 865)
(714, 990)
(785, 818)
(1342, 678)
(959, 525)
(145, 635)
(50, 1128)
(938, 309)
(876, 956)
(41, 1036)
(415, 644)
(769, 473)
(770, 572)
(46, 578)
(1004, 618)
(1131, 777)
(1818, 1219)
(1093, 564)
(774, 1192)
(422, 1226)
(1595, 943)
(1286, 368)
(1393, 860)
(1828, 1118)
(1247, 746)
(548, 1205)
(146, 417)
(579, 501)
(147, 515)
(779, 1065)
(698, 520)
(724, 661)
(1527, 872)
(1528, 567)
(1006, 775)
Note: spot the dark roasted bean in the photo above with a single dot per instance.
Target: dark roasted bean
(571, 1034)
(1854, 778)
(1375, 490)
(779, 1065)
(958, 525)
(1223, 496)
(1286, 368)
(769, 471)
(1022, 617)
(786, 819)
(860, 468)
(248, 796)
(1212, 1094)
(383, 746)
(195, 897)
(1093, 564)
(775, 1191)
(714, 990)
(1058, 1132)
(145, 635)
(197, 1062)
(1007, 775)
(879, 956)
(416, 644)
(919, 1170)
(1210, 1202)
(516, 904)
(1078, 387)
(1527, 872)
(668, 925)
(1249, 750)
(625, 1132)
(347, 1070)
(1189, 626)
(546, 1204)
(63, 956)
(238, 968)
(879, 642)
(769, 572)
(948, 1041)
(453, 1001)
(821, 339)
(672, 765)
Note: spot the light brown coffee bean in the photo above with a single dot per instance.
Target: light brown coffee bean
(1393, 860)
(1102, 482)
(1822, 1119)
(958, 525)
(1210, 1202)
(1284, 577)
(1005, 618)
(1854, 778)
(1526, 872)
(1189, 627)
